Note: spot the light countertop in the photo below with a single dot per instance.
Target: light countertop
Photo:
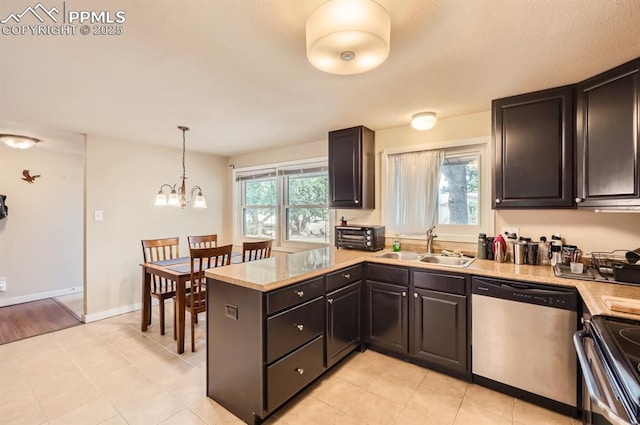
(284, 269)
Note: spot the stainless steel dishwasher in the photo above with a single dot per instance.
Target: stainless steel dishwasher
(522, 341)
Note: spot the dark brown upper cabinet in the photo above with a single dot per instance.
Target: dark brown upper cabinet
(351, 168)
(533, 136)
(608, 130)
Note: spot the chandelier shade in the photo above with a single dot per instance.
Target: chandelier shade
(348, 36)
(178, 196)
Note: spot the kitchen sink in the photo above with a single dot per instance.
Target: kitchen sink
(402, 255)
(443, 260)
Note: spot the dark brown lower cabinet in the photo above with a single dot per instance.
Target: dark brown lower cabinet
(387, 321)
(343, 322)
(440, 329)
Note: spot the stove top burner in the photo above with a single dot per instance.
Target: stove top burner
(631, 334)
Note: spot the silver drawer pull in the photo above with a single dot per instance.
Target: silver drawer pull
(404, 294)
(300, 370)
(300, 326)
(300, 293)
(330, 300)
(347, 276)
(415, 295)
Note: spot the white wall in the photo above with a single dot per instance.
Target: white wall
(122, 179)
(41, 242)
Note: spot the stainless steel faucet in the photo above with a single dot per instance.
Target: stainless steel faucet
(430, 237)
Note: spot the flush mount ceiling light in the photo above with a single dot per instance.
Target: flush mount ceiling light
(424, 120)
(178, 198)
(348, 36)
(18, 142)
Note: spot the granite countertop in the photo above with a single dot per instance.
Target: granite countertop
(284, 269)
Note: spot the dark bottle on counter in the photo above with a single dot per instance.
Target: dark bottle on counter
(490, 248)
(482, 246)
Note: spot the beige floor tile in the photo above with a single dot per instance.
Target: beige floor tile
(472, 414)
(491, 400)
(310, 410)
(92, 413)
(24, 410)
(374, 409)
(407, 371)
(211, 412)
(411, 417)
(337, 392)
(526, 413)
(115, 420)
(435, 404)
(151, 410)
(64, 393)
(184, 417)
(393, 388)
(445, 384)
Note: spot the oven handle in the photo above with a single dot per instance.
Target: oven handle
(590, 380)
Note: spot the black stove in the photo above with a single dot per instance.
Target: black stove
(618, 340)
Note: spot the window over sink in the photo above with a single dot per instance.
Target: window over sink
(286, 202)
(446, 184)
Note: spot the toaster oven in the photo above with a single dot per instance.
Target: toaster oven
(366, 238)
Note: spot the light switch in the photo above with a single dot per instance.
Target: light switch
(98, 215)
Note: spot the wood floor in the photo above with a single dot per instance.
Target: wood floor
(33, 318)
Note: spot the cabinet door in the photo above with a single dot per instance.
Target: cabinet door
(351, 172)
(607, 127)
(343, 322)
(533, 136)
(387, 316)
(440, 329)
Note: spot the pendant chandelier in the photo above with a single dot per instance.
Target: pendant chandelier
(178, 197)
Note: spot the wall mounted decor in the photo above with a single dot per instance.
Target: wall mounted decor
(29, 178)
(4, 210)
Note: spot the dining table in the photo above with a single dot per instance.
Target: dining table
(177, 270)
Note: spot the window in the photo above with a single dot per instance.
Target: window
(443, 184)
(287, 202)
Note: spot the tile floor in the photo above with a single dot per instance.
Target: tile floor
(110, 373)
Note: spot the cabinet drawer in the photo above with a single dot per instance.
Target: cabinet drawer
(452, 284)
(337, 280)
(294, 294)
(294, 372)
(291, 328)
(390, 274)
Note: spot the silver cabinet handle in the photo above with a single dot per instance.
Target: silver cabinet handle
(498, 200)
(300, 326)
(357, 202)
(330, 300)
(404, 294)
(347, 276)
(578, 200)
(415, 295)
(300, 293)
(299, 370)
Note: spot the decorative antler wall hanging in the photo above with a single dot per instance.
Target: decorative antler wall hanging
(29, 178)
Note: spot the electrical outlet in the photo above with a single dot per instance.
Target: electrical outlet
(515, 230)
(98, 215)
(3, 283)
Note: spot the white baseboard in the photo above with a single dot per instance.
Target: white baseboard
(39, 296)
(93, 317)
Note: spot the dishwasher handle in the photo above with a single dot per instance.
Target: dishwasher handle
(590, 380)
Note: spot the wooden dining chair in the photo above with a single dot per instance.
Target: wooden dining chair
(256, 250)
(204, 241)
(158, 250)
(201, 260)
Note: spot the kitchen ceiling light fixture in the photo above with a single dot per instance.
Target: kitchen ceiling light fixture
(424, 120)
(179, 197)
(348, 36)
(18, 142)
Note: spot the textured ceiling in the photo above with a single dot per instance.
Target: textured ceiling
(236, 72)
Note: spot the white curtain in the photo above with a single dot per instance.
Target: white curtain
(412, 191)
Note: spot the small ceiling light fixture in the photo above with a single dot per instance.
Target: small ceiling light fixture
(18, 142)
(424, 120)
(348, 36)
(179, 197)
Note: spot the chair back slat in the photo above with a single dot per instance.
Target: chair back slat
(256, 250)
(159, 250)
(204, 241)
(201, 260)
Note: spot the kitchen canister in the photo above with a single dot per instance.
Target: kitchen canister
(532, 253)
(519, 252)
